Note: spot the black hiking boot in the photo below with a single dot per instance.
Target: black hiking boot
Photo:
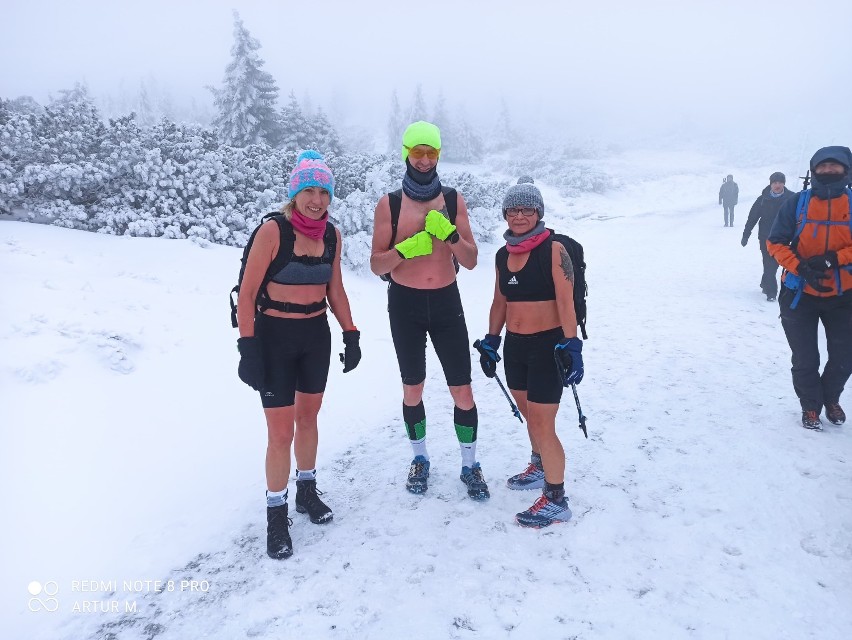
(308, 501)
(278, 542)
(810, 420)
(834, 413)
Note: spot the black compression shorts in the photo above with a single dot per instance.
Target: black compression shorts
(414, 313)
(529, 365)
(296, 355)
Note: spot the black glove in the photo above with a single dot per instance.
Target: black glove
(813, 276)
(744, 241)
(488, 356)
(351, 355)
(828, 260)
(568, 353)
(251, 369)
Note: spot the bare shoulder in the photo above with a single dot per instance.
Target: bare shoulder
(383, 205)
(269, 231)
(562, 261)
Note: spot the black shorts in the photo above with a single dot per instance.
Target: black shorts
(414, 313)
(296, 356)
(530, 366)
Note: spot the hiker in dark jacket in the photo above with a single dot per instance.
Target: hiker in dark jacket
(764, 210)
(729, 193)
(812, 239)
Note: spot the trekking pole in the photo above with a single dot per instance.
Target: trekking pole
(580, 415)
(515, 410)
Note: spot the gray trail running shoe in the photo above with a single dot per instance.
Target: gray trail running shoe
(418, 475)
(544, 513)
(530, 478)
(475, 481)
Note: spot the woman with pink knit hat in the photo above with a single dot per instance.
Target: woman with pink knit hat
(285, 340)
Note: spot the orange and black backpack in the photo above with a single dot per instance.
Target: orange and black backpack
(791, 280)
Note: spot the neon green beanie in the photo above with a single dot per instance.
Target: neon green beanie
(420, 132)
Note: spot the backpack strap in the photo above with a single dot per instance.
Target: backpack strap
(395, 202)
(236, 290)
(286, 243)
(451, 199)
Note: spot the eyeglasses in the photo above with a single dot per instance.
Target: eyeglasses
(420, 153)
(528, 212)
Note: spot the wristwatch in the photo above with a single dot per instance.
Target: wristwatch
(453, 238)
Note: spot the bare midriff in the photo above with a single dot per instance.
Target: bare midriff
(296, 294)
(531, 317)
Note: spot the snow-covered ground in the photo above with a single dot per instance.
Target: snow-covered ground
(131, 451)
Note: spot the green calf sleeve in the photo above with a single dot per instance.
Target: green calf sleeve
(467, 423)
(416, 431)
(466, 435)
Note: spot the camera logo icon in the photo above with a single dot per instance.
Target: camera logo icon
(43, 596)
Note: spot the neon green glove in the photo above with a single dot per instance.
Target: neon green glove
(420, 244)
(438, 225)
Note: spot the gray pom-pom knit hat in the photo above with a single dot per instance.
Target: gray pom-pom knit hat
(524, 195)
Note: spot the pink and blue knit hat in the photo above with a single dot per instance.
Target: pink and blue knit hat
(310, 171)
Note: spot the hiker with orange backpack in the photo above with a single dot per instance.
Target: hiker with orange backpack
(812, 240)
(291, 265)
(542, 353)
(420, 236)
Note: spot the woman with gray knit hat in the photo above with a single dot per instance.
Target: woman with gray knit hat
(534, 299)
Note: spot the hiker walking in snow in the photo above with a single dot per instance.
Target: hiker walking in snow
(812, 240)
(420, 235)
(285, 341)
(729, 192)
(542, 352)
(764, 210)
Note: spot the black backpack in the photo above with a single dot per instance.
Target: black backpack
(395, 202)
(285, 253)
(581, 289)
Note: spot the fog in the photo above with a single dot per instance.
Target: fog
(609, 69)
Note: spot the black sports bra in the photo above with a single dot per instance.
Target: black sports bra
(532, 283)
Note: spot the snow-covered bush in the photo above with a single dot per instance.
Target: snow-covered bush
(572, 169)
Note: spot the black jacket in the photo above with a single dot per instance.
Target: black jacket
(765, 208)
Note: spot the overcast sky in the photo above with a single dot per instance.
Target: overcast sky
(618, 64)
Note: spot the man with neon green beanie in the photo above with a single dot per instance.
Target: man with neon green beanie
(421, 234)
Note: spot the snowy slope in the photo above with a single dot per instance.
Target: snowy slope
(132, 452)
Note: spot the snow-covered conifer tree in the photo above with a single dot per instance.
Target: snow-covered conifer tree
(247, 101)
(396, 124)
(463, 144)
(418, 109)
(505, 136)
(295, 131)
(324, 138)
(439, 115)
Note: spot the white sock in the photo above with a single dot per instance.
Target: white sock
(419, 447)
(468, 453)
(276, 498)
(306, 475)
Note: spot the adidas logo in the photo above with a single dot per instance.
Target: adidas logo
(512, 280)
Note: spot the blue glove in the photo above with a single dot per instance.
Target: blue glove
(568, 354)
(488, 356)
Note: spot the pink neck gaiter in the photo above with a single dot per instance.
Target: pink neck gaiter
(314, 229)
(529, 243)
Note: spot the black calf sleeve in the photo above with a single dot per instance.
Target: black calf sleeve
(467, 424)
(415, 420)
